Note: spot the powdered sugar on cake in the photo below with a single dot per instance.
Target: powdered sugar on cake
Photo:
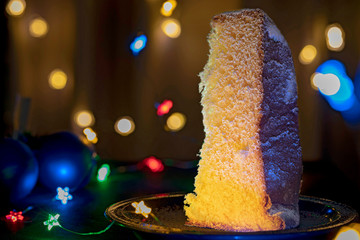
(291, 88)
(275, 34)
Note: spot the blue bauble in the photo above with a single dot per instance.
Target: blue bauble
(19, 169)
(64, 161)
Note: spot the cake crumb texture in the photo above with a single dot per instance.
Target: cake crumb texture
(231, 184)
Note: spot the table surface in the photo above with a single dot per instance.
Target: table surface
(85, 212)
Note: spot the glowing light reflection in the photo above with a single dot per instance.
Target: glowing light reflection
(62, 171)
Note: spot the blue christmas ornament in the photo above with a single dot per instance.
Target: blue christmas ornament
(64, 161)
(90, 174)
(19, 169)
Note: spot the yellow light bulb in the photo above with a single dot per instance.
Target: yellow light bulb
(171, 28)
(351, 231)
(57, 79)
(90, 135)
(84, 118)
(15, 7)
(335, 37)
(38, 27)
(124, 126)
(307, 54)
(141, 208)
(168, 7)
(176, 122)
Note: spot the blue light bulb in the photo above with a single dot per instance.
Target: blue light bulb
(138, 44)
(344, 98)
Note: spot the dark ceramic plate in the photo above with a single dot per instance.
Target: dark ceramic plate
(318, 218)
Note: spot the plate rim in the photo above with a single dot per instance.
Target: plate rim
(351, 216)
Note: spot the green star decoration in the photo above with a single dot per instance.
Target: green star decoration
(52, 221)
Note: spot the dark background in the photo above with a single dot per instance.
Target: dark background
(89, 40)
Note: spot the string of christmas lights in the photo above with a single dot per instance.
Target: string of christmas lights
(15, 217)
(53, 221)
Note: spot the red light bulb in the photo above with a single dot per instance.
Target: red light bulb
(154, 164)
(164, 107)
(15, 216)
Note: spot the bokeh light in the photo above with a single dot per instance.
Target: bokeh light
(176, 122)
(103, 172)
(52, 221)
(63, 195)
(84, 118)
(141, 208)
(124, 126)
(168, 7)
(335, 85)
(307, 54)
(314, 78)
(349, 232)
(38, 27)
(164, 107)
(171, 28)
(57, 79)
(328, 84)
(15, 7)
(335, 37)
(138, 44)
(15, 216)
(90, 135)
(154, 164)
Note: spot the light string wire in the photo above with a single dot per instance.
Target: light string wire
(54, 222)
(27, 209)
(156, 218)
(90, 233)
